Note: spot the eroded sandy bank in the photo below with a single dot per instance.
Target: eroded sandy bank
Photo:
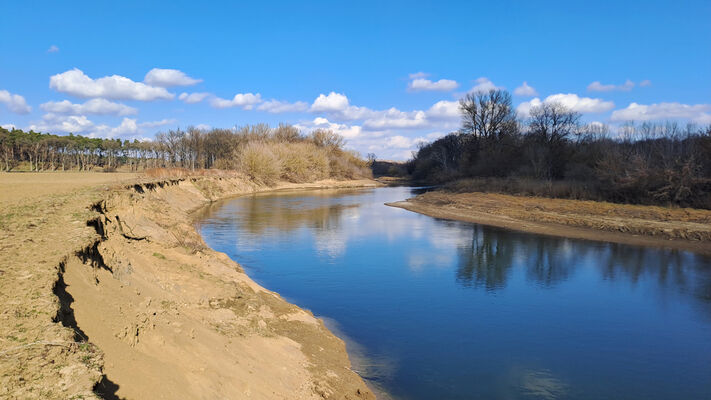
(139, 307)
(686, 229)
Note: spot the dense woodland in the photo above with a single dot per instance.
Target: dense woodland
(265, 154)
(552, 153)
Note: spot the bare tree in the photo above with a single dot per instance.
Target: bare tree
(488, 115)
(549, 127)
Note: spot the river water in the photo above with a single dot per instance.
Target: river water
(435, 309)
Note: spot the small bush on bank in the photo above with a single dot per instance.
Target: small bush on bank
(526, 187)
(257, 161)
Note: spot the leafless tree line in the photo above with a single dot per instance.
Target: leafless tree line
(191, 148)
(648, 163)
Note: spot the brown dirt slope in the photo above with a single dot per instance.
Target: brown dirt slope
(682, 228)
(110, 291)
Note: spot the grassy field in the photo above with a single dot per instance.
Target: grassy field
(18, 187)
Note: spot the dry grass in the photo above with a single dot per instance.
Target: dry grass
(172, 173)
(670, 223)
(298, 162)
(20, 187)
(525, 187)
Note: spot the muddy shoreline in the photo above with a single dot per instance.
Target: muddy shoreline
(144, 309)
(682, 229)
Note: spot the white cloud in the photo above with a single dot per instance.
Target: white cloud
(581, 104)
(192, 98)
(93, 106)
(337, 106)
(418, 75)
(9, 127)
(444, 109)
(203, 127)
(276, 106)
(331, 102)
(396, 119)
(62, 123)
(420, 83)
(14, 102)
(571, 101)
(128, 126)
(80, 124)
(244, 100)
(347, 131)
(402, 142)
(645, 83)
(483, 85)
(524, 109)
(76, 83)
(699, 113)
(52, 49)
(169, 78)
(599, 87)
(525, 90)
(155, 124)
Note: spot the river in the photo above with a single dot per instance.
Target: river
(435, 309)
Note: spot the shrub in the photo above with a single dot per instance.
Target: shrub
(257, 161)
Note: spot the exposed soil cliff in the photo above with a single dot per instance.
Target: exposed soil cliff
(138, 306)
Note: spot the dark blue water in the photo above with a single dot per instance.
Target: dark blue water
(449, 310)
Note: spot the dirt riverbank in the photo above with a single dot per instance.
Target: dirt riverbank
(687, 229)
(109, 292)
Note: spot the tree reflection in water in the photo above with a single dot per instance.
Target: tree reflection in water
(488, 260)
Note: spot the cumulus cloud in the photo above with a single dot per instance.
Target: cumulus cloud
(419, 82)
(127, 127)
(525, 90)
(347, 131)
(192, 98)
(276, 106)
(9, 127)
(444, 109)
(396, 119)
(52, 49)
(62, 123)
(14, 102)
(55, 123)
(331, 102)
(571, 101)
(155, 124)
(246, 101)
(402, 142)
(483, 85)
(599, 87)
(76, 83)
(645, 83)
(699, 113)
(418, 75)
(169, 78)
(337, 106)
(93, 106)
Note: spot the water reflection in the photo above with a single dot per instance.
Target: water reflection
(442, 309)
(542, 384)
(487, 260)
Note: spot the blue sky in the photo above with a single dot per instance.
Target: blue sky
(388, 73)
